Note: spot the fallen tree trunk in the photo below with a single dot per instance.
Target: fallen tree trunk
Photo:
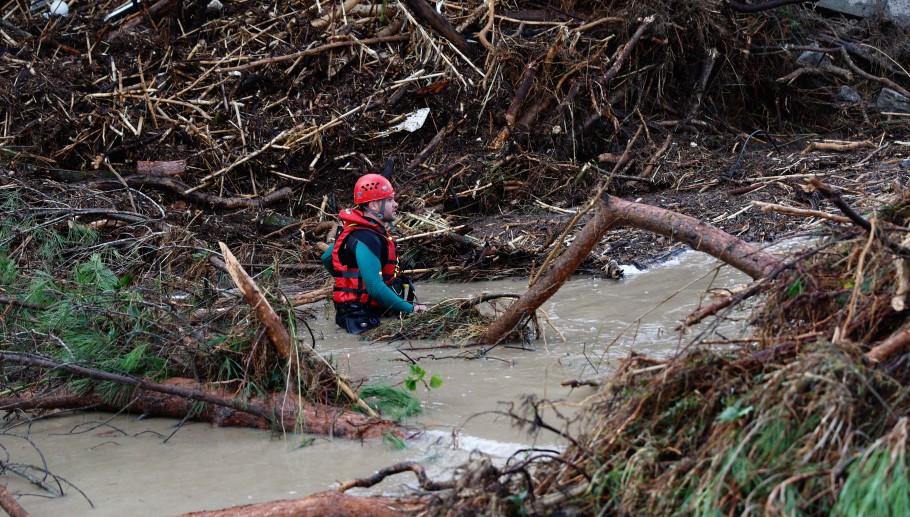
(612, 211)
(281, 410)
(325, 503)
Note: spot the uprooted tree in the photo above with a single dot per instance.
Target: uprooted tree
(615, 211)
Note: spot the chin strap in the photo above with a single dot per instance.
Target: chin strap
(378, 216)
(375, 215)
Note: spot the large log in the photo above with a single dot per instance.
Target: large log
(329, 503)
(612, 211)
(284, 410)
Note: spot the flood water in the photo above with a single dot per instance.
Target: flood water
(151, 467)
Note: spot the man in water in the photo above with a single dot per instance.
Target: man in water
(364, 261)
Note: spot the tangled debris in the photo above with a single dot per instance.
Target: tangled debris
(807, 418)
(456, 321)
(135, 139)
(524, 108)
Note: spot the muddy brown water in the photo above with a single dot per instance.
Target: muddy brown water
(150, 467)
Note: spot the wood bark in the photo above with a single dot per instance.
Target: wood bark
(282, 410)
(9, 504)
(316, 295)
(182, 191)
(329, 503)
(427, 15)
(521, 93)
(253, 295)
(894, 344)
(173, 168)
(611, 211)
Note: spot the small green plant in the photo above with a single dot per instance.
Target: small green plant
(519, 501)
(417, 375)
(9, 271)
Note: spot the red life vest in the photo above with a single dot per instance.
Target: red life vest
(349, 286)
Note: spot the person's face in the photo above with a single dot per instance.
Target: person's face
(389, 212)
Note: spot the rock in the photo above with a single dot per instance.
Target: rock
(892, 102)
(847, 94)
(814, 59)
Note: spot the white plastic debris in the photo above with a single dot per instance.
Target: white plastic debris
(214, 7)
(60, 8)
(413, 122)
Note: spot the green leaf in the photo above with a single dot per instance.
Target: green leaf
(734, 412)
(125, 280)
(435, 381)
(417, 370)
(795, 289)
(411, 384)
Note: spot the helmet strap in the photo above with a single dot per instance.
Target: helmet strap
(389, 224)
(377, 216)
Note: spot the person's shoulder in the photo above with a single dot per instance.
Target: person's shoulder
(368, 237)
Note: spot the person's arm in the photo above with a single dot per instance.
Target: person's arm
(326, 259)
(371, 272)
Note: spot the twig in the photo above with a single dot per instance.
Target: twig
(789, 210)
(32, 478)
(626, 51)
(430, 147)
(184, 191)
(866, 75)
(894, 344)
(521, 93)
(316, 50)
(429, 234)
(482, 35)
(838, 146)
(738, 6)
(416, 468)
(839, 202)
(20, 303)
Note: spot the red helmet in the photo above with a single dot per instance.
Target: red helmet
(372, 187)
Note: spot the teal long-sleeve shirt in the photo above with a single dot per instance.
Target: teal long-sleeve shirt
(377, 289)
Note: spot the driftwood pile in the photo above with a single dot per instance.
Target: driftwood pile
(247, 105)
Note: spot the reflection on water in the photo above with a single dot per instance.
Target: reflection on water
(126, 467)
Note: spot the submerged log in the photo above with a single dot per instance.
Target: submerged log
(331, 503)
(285, 411)
(612, 211)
